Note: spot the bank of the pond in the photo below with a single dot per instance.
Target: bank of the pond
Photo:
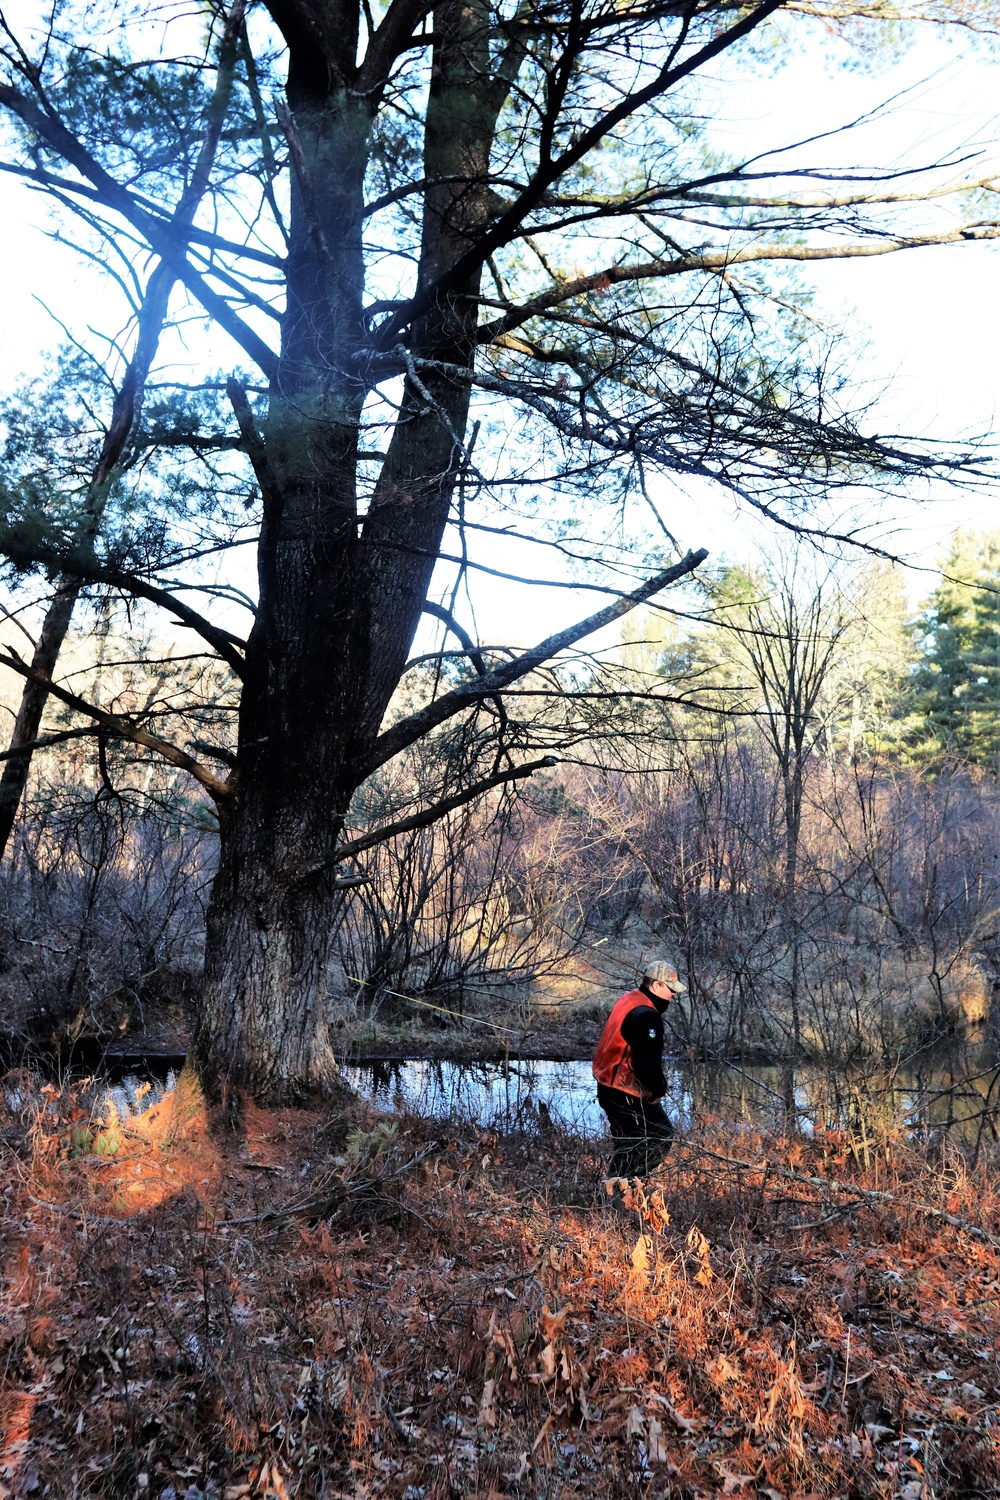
(329, 1303)
(954, 1093)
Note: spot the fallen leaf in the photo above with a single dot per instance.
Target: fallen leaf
(731, 1481)
(656, 1448)
(642, 1257)
(722, 1370)
(697, 1244)
(688, 1425)
(636, 1424)
(488, 1416)
(699, 1247)
(270, 1484)
(553, 1325)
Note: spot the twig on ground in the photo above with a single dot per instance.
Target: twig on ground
(866, 1196)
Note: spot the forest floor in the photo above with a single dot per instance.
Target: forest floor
(335, 1304)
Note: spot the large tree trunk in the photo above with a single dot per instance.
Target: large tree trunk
(263, 1018)
(338, 609)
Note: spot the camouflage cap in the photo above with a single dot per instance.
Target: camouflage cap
(662, 971)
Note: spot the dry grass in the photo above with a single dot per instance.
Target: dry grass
(300, 1304)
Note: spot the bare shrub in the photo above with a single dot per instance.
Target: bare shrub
(101, 920)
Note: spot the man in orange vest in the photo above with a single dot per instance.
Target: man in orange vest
(628, 1066)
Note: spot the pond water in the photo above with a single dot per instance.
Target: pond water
(519, 1095)
(134, 1093)
(960, 1096)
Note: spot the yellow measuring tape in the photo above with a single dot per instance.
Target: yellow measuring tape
(476, 1021)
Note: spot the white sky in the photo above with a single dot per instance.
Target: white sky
(931, 318)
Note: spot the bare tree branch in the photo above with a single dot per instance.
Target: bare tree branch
(508, 225)
(46, 740)
(163, 239)
(411, 729)
(720, 261)
(123, 729)
(88, 568)
(439, 810)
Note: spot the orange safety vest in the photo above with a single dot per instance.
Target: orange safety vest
(613, 1059)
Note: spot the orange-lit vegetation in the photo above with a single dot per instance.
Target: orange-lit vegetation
(302, 1304)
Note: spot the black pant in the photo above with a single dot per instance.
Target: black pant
(640, 1130)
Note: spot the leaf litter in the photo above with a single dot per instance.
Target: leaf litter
(424, 1316)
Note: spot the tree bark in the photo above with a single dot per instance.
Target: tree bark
(338, 606)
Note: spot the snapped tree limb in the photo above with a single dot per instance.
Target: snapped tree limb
(413, 728)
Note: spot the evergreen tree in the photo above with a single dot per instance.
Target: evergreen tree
(956, 692)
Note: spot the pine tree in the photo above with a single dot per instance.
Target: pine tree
(956, 696)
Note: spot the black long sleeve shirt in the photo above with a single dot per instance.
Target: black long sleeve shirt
(642, 1028)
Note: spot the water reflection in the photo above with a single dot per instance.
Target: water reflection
(133, 1093)
(503, 1097)
(530, 1094)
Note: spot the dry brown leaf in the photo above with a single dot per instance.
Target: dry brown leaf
(656, 1210)
(796, 1402)
(656, 1448)
(642, 1257)
(697, 1244)
(636, 1424)
(730, 1481)
(555, 1359)
(785, 1394)
(503, 1344)
(488, 1415)
(552, 1325)
(699, 1247)
(722, 1370)
(688, 1425)
(270, 1483)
